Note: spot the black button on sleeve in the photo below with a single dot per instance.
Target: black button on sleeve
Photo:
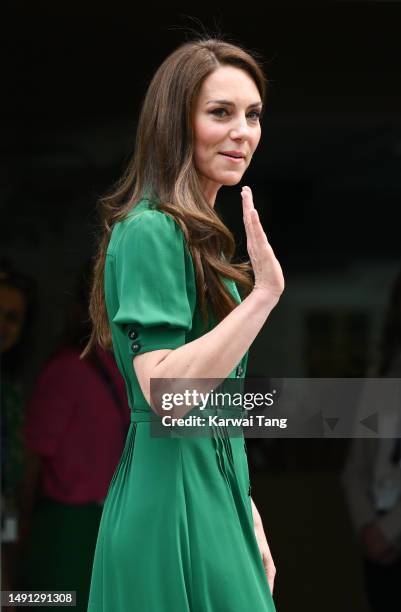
(135, 347)
(132, 334)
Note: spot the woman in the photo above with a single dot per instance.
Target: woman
(372, 477)
(179, 530)
(75, 428)
(17, 307)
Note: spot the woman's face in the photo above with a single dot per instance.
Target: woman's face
(12, 316)
(226, 128)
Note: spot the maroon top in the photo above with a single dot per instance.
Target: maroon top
(77, 427)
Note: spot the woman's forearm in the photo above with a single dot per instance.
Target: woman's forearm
(257, 521)
(218, 352)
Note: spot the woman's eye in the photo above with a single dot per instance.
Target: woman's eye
(221, 112)
(218, 112)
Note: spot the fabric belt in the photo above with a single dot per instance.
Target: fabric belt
(138, 416)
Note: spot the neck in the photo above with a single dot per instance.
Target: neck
(210, 189)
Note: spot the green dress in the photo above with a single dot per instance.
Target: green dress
(176, 533)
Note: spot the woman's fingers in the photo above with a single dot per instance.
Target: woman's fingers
(259, 232)
(249, 219)
(257, 226)
(247, 204)
(256, 237)
(266, 268)
(248, 222)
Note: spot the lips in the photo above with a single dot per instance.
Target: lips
(233, 154)
(233, 159)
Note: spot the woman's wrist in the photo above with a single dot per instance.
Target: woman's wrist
(267, 298)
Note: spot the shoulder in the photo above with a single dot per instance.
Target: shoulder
(148, 220)
(146, 228)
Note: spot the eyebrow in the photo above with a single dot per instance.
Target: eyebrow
(227, 102)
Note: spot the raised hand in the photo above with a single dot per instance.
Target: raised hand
(267, 270)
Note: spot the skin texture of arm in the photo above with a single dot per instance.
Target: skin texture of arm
(213, 355)
(267, 558)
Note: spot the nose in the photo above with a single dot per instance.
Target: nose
(240, 130)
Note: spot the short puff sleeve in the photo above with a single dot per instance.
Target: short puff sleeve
(154, 283)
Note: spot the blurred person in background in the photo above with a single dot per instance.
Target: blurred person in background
(76, 424)
(372, 481)
(17, 304)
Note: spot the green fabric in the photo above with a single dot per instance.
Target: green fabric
(59, 551)
(176, 532)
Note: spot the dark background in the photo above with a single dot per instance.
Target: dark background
(326, 181)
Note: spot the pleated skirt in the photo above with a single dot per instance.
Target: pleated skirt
(176, 532)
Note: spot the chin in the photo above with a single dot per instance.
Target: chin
(231, 180)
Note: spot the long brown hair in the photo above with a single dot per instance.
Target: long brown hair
(163, 164)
